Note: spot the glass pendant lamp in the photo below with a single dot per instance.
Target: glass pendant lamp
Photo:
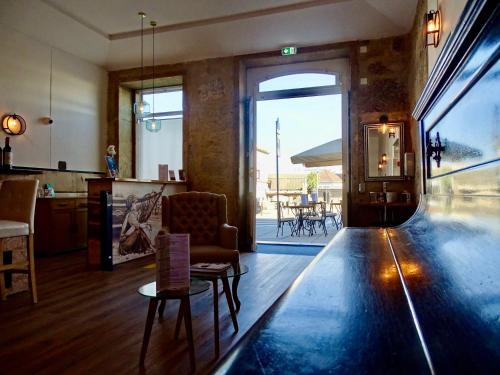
(141, 108)
(152, 124)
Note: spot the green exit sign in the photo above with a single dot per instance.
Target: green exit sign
(287, 51)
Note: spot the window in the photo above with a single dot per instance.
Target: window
(165, 145)
(296, 81)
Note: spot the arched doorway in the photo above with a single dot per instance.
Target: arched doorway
(320, 88)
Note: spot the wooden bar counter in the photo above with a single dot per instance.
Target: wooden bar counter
(124, 218)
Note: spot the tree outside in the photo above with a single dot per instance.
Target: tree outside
(312, 182)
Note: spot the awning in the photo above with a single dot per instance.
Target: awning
(324, 155)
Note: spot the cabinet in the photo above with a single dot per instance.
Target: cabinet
(60, 225)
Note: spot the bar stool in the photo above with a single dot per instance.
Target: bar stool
(17, 217)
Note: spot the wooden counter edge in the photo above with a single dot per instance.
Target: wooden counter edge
(136, 180)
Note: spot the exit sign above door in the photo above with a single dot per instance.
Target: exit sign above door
(287, 51)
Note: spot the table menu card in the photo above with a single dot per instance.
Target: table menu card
(171, 175)
(163, 172)
(172, 262)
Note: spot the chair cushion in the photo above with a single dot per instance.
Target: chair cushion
(9, 228)
(213, 254)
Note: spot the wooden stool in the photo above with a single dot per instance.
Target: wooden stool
(17, 216)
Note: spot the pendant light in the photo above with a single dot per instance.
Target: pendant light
(152, 124)
(141, 107)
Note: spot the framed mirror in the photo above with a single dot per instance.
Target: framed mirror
(384, 149)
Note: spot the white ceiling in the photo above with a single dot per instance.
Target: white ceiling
(105, 31)
(117, 16)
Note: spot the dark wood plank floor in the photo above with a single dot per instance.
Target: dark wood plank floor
(92, 322)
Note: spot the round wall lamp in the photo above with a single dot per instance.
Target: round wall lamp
(13, 124)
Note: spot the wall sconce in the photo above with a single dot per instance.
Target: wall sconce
(380, 165)
(13, 124)
(432, 28)
(384, 119)
(384, 158)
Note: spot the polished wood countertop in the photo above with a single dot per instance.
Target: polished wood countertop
(345, 314)
(118, 179)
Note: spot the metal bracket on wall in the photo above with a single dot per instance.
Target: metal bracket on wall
(434, 150)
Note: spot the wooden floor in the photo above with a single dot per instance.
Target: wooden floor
(92, 322)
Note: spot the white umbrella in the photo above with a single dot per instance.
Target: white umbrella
(324, 155)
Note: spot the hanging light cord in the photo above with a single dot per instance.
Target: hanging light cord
(153, 24)
(142, 53)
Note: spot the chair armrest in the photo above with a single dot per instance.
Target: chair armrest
(164, 229)
(228, 236)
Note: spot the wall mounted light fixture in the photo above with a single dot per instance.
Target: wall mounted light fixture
(384, 119)
(432, 28)
(13, 124)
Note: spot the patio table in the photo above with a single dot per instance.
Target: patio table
(299, 213)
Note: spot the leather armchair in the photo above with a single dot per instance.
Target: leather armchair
(204, 217)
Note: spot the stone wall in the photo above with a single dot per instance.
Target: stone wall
(382, 65)
(213, 136)
(417, 77)
(125, 141)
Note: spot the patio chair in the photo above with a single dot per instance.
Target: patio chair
(318, 218)
(337, 208)
(333, 215)
(284, 220)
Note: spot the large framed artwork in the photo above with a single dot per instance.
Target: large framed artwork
(136, 219)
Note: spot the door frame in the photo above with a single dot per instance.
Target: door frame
(340, 67)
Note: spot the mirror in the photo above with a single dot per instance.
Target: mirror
(384, 148)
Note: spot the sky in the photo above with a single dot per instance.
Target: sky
(304, 123)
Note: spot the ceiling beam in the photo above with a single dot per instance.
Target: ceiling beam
(228, 18)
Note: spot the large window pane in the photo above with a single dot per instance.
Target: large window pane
(164, 146)
(165, 100)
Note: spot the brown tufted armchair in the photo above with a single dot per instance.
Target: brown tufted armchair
(204, 217)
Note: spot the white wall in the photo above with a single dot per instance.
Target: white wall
(38, 20)
(450, 13)
(79, 88)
